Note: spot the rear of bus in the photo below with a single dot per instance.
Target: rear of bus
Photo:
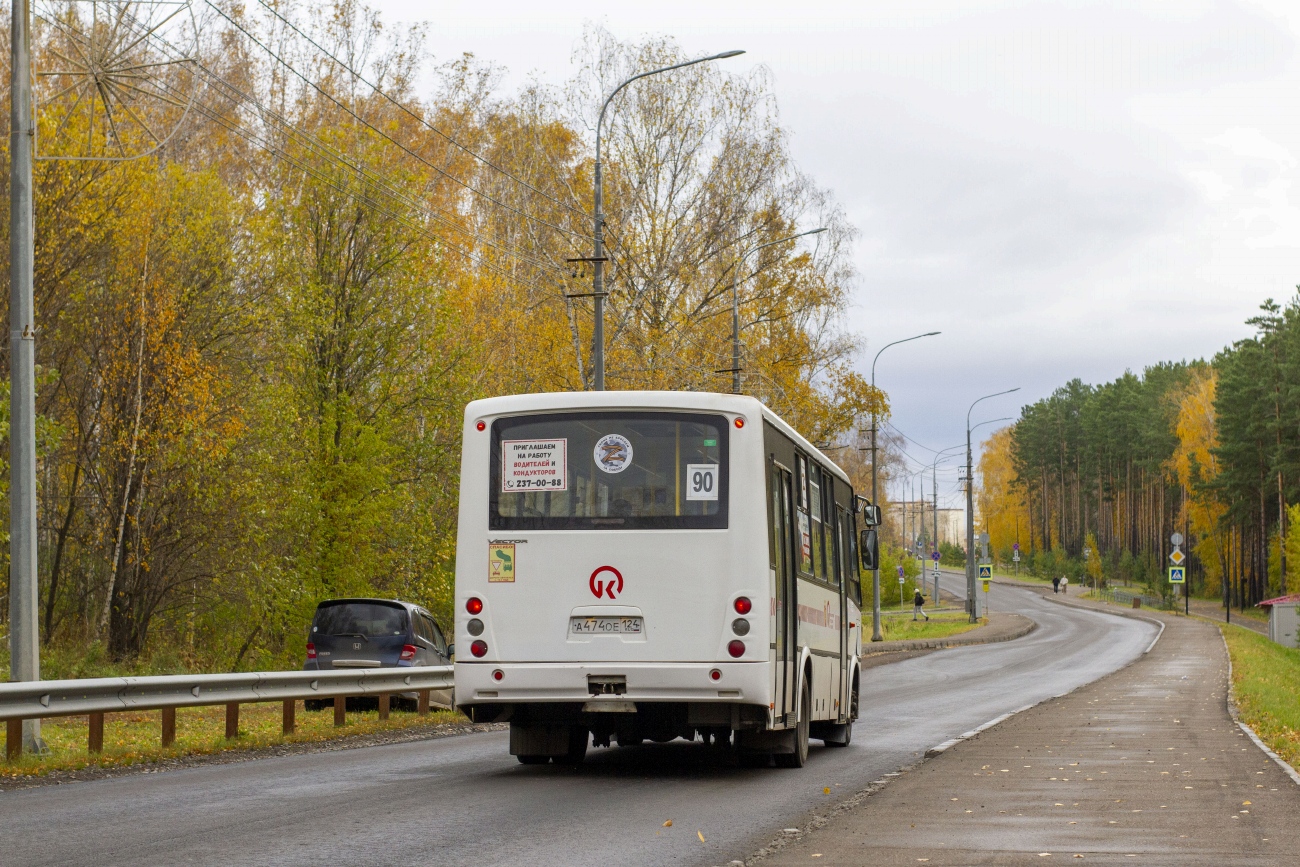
(612, 572)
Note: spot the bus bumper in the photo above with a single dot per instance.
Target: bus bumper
(530, 683)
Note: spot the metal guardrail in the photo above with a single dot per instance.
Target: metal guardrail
(1126, 597)
(95, 697)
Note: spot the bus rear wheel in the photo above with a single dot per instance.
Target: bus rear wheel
(578, 738)
(799, 757)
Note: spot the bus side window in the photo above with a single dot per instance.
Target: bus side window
(818, 529)
(805, 524)
(851, 562)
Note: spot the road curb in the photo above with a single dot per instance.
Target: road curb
(1250, 733)
(956, 641)
(1120, 613)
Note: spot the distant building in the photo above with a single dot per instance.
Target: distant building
(908, 521)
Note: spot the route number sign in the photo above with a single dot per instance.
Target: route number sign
(1177, 574)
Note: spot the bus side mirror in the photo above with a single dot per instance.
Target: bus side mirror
(869, 548)
(870, 515)
(451, 650)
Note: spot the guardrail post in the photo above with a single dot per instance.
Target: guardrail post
(424, 702)
(340, 708)
(383, 705)
(13, 739)
(168, 726)
(232, 720)
(96, 738)
(290, 708)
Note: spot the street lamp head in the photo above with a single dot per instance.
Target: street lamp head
(815, 231)
(932, 334)
(734, 52)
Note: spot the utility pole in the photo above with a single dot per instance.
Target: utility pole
(971, 601)
(24, 630)
(876, 634)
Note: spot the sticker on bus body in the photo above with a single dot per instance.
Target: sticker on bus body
(534, 465)
(501, 562)
(613, 453)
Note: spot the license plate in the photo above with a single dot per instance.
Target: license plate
(605, 625)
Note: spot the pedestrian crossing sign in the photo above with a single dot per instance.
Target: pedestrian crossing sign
(986, 573)
(1177, 574)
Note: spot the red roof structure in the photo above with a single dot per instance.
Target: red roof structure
(1281, 600)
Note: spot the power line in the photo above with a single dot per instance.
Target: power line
(419, 119)
(306, 80)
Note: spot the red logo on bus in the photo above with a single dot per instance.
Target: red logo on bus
(608, 586)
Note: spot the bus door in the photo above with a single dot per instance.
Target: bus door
(784, 540)
(842, 572)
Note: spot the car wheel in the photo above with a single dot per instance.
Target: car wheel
(799, 757)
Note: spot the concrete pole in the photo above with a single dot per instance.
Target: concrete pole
(971, 601)
(598, 277)
(876, 634)
(24, 629)
(934, 487)
(598, 233)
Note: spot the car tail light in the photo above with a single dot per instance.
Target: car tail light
(715, 675)
(736, 648)
(474, 605)
(481, 425)
(408, 653)
(498, 674)
(743, 605)
(311, 650)
(478, 648)
(740, 422)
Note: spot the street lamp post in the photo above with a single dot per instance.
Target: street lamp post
(970, 510)
(598, 232)
(735, 303)
(875, 499)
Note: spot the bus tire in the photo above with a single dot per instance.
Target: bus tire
(799, 757)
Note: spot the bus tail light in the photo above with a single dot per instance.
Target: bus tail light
(743, 605)
(408, 653)
(479, 649)
(498, 674)
(474, 605)
(715, 675)
(311, 650)
(736, 648)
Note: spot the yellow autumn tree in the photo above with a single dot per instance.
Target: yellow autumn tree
(1003, 511)
(1194, 463)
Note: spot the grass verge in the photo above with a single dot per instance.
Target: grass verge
(132, 738)
(942, 624)
(1266, 680)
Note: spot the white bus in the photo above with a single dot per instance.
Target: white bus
(654, 565)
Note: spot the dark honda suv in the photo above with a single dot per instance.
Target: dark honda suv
(374, 633)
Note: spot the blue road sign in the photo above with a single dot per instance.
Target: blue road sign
(986, 573)
(935, 556)
(1177, 574)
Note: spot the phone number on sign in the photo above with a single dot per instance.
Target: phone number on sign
(517, 484)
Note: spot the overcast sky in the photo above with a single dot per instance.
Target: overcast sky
(1063, 189)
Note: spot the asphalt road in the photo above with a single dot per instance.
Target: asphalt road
(464, 800)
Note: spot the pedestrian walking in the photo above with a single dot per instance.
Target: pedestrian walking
(1065, 585)
(918, 605)
(1056, 583)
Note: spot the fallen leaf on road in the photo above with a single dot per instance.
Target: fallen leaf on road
(826, 790)
(668, 824)
(700, 834)
(1245, 803)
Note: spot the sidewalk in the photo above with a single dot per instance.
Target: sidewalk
(1144, 766)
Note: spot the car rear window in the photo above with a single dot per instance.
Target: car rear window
(359, 618)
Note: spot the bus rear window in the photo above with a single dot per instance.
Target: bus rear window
(603, 470)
